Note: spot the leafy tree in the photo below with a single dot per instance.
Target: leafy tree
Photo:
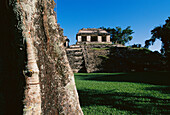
(162, 33)
(136, 46)
(119, 36)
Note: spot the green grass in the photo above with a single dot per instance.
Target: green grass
(100, 48)
(103, 57)
(142, 49)
(124, 93)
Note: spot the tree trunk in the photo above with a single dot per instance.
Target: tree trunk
(35, 47)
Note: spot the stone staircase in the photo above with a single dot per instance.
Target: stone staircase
(76, 58)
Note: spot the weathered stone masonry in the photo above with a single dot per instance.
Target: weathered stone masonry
(93, 35)
(84, 58)
(110, 58)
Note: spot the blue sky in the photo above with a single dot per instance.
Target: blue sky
(141, 15)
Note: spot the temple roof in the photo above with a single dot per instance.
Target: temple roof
(92, 31)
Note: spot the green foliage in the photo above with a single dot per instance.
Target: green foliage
(146, 50)
(119, 36)
(124, 93)
(136, 46)
(128, 59)
(162, 33)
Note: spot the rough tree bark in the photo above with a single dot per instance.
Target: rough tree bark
(32, 44)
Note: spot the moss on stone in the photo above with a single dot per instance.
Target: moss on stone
(100, 48)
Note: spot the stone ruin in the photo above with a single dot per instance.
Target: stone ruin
(93, 35)
(92, 58)
(83, 59)
(77, 54)
(94, 52)
(81, 56)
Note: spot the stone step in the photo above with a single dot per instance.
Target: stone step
(75, 46)
(72, 58)
(73, 53)
(74, 49)
(77, 63)
(78, 54)
(75, 60)
(78, 57)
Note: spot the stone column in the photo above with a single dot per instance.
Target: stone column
(108, 38)
(99, 38)
(79, 39)
(88, 38)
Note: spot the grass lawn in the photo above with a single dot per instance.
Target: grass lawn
(124, 93)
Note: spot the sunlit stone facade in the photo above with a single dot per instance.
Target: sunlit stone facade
(93, 35)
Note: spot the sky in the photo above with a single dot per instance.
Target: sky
(141, 15)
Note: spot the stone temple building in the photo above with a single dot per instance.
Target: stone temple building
(93, 35)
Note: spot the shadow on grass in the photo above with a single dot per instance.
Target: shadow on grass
(156, 78)
(164, 89)
(125, 101)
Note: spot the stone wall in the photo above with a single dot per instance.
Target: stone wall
(76, 58)
(92, 56)
(87, 57)
(110, 58)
